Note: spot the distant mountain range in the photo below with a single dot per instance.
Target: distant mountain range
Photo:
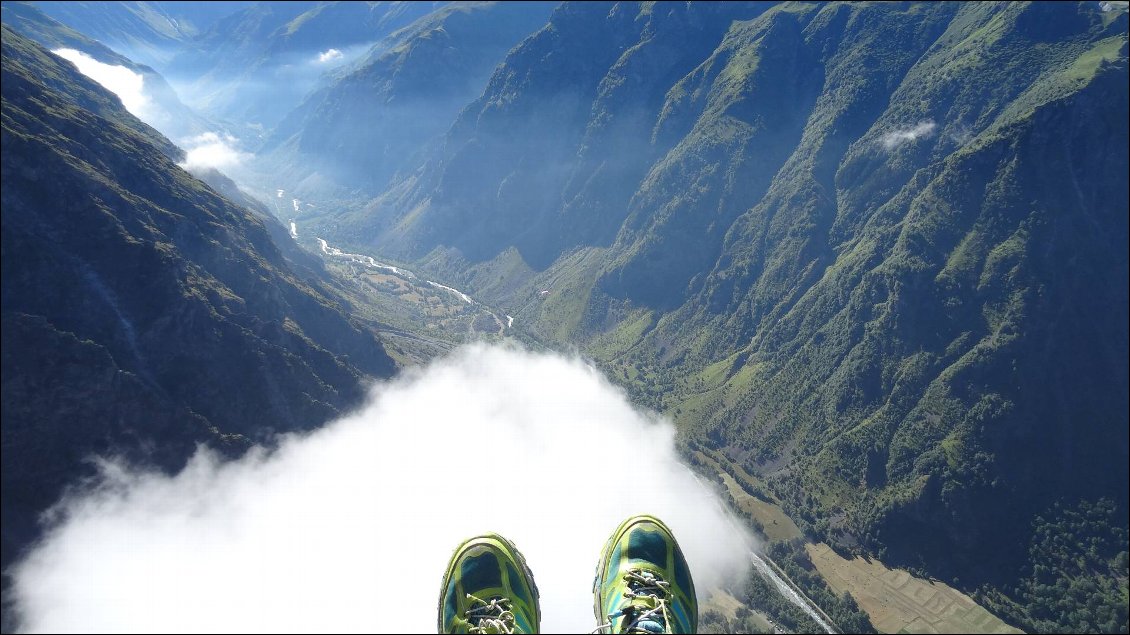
(146, 32)
(408, 89)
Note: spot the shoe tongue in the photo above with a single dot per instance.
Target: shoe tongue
(651, 626)
(652, 623)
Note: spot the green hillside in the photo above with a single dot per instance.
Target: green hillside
(875, 253)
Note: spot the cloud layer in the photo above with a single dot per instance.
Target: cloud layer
(923, 129)
(126, 84)
(330, 55)
(210, 150)
(348, 528)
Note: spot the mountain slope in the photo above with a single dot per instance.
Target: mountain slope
(256, 65)
(163, 110)
(142, 312)
(149, 32)
(363, 127)
(875, 253)
(560, 133)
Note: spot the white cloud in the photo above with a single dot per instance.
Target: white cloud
(961, 133)
(348, 528)
(210, 150)
(126, 84)
(330, 55)
(923, 129)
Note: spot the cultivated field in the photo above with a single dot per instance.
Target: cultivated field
(898, 602)
(895, 600)
(776, 525)
(728, 605)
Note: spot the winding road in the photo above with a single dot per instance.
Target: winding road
(779, 579)
(769, 572)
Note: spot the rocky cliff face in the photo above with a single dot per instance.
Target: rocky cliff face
(142, 312)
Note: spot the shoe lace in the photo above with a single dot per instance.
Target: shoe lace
(648, 596)
(490, 616)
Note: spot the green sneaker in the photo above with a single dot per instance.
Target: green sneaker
(488, 589)
(642, 582)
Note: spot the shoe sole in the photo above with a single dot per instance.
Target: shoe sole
(487, 538)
